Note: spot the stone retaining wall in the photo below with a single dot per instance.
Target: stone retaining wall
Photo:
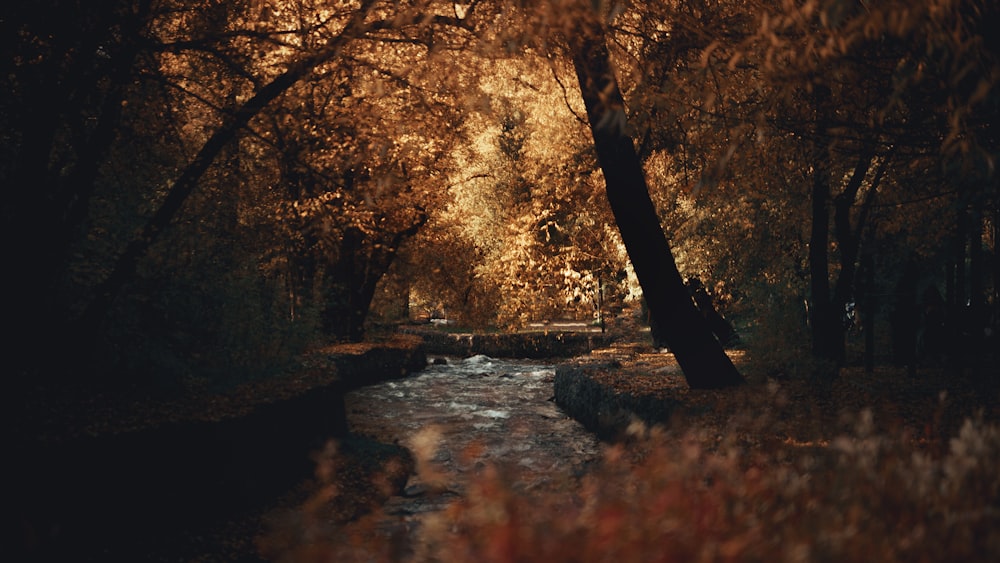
(600, 408)
(534, 345)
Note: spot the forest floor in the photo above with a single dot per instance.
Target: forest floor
(930, 405)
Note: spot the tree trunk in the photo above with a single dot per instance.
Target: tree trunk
(977, 293)
(827, 328)
(848, 237)
(721, 328)
(701, 357)
(350, 284)
(347, 293)
(868, 311)
(905, 317)
(957, 310)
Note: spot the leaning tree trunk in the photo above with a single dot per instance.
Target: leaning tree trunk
(701, 357)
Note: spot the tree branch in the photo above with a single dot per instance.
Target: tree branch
(125, 267)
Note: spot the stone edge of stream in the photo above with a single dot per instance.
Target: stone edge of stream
(602, 409)
(530, 345)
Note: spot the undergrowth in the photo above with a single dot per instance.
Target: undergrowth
(695, 493)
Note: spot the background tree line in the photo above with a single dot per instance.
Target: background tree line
(204, 188)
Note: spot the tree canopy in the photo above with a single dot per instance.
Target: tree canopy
(206, 187)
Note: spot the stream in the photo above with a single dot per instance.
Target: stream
(478, 411)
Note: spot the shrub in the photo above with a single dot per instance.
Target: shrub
(688, 494)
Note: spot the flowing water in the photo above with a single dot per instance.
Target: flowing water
(477, 411)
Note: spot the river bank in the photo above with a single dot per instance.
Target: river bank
(108, 478)
(119, 477)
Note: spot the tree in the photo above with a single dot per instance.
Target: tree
(700, 355)
(884, 83)
(824, 99)
(192, 81)
(360, 147)
(526, 198)
(67, 73)
(187, 181)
